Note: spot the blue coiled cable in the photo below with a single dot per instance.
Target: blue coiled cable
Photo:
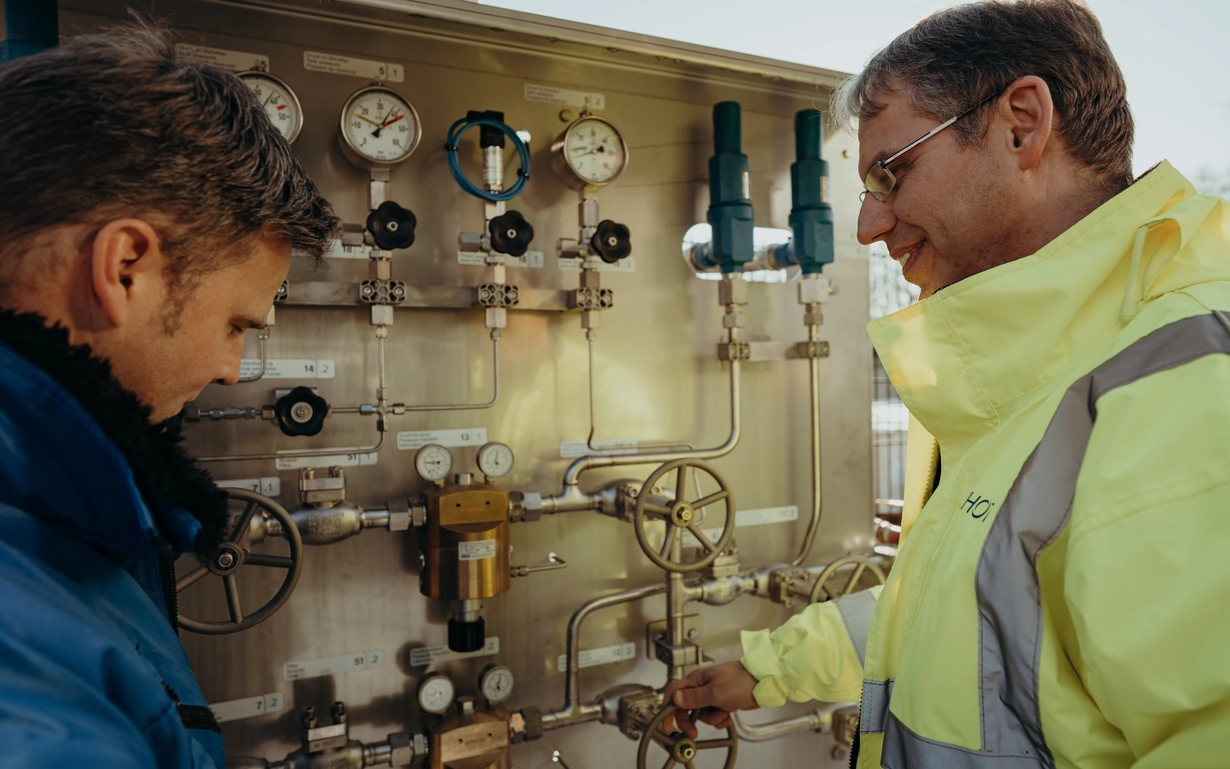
(454, 165)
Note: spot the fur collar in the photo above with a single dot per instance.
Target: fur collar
(165, 473)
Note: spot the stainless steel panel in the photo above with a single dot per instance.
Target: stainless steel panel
(658, 376)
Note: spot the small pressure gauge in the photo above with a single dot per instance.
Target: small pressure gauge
(379, 127)
(433, 462)
(590, 152)
(436, 693)
(496, 683)
(279, 101)
(495, 460)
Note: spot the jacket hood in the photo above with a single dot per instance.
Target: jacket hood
(967, 357)
(77, 450)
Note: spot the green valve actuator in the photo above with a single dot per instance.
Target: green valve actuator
(730, 204)
(811, 216)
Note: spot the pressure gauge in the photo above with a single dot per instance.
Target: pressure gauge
(379, 127)
(496, 683)
(279, 101)
(495, 460)
(589, 153)
(436, 693)
(433, 462)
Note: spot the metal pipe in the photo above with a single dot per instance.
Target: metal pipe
(817, 719)
(292, 454)
(263, 337)
(495, 396)
(573, 712)
(589, 442)
(676, 601)
(817, 483)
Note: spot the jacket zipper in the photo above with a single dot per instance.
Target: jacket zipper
(166, 570)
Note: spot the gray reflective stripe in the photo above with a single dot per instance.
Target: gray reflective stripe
(874, 712)
(856, 610)
(1033, 515)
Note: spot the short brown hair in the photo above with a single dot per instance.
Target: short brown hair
(114, 124)
(960, 56)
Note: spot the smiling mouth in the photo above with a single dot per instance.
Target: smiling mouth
(906, 258)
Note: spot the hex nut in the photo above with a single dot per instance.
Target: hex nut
(532, 502)
(402, 749)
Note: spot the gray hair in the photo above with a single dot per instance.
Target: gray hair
(959, 57)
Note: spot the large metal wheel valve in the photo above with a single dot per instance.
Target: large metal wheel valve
(684, 513)
(235, 552)
(682, 750)
(826, 587)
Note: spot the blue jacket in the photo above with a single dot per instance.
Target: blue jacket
(90, 666)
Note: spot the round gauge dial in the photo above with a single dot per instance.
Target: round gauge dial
(433, 462)
(436, 693)
(379, 127)
(495, 460)
(496, 683)
(590, 151)
(279, 101)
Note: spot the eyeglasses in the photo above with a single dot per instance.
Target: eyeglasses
(880, 181)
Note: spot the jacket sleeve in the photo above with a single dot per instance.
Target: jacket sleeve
(1147, 593)
(815, 655)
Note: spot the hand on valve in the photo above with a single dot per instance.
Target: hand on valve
(710, 695)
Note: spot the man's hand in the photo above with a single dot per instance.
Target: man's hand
(710, 695)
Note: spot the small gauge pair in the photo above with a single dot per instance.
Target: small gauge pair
(379, 126)
(433, 462)
(436, 691)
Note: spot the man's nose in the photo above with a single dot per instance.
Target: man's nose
(228, 368)
(875, 220)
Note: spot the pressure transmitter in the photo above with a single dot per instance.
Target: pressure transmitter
(379, 127)
(591, 152)
(280, 102)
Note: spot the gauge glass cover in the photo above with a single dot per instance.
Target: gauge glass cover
(380, 126)
(497, 683)
(595, 150)
(495, 460)
(433, 462)
(280, 102)
(436, 694)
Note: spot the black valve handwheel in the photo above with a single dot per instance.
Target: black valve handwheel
(301, 412)
(227, 559)
(682, 750)
(681, 514)
(822, 591)
(510, 233)
(611, 241)
(391, 226)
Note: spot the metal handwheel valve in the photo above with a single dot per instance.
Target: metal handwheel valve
(681, 514)
(861, 565)
(681, 750)
(235, 552)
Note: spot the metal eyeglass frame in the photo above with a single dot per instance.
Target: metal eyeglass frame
(878, 175)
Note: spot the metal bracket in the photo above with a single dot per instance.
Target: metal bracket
(498, 295)
(656, 646)
(376, 291)
(812, 350)
(734, 351)
(592, 298)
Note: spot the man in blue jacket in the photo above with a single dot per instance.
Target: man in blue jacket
(148, 213)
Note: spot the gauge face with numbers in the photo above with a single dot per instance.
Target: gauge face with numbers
(495, 460)
(592, 151)
(279, 101)
(436, 693)
(379, 127)
(496, 683)
(433, 462)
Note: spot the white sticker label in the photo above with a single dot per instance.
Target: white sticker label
(233, 710)
(340, 250)
(349, 65)
(426, 655)
(331, 666)
(747, 518)
(588, 658)
(627, 264)
(270, 487)
(552, 95)
(411, 441)
(533, 260)
(614, 447)
(235, 61)
(295, 368)
(334, 460)
(480, 550)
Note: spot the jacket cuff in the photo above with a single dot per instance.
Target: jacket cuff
(761, 660)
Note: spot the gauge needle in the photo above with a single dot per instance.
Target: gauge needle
(369, 120)
(388, 123)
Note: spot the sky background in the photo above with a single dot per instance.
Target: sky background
(1174, 54)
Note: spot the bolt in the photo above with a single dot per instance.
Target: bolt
(693, 634)
(302, 412)
(392, 227)
(510, 233)
(339, 712)
(612, 241)
(367, 291)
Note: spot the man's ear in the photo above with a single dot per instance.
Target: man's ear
(126, 268)
(1027, 113)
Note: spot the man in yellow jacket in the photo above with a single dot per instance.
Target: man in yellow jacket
(1060, 595)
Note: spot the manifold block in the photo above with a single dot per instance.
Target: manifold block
(498, 295)
(376, 291)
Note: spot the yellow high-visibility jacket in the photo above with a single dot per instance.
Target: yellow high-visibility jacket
(1061, 600)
